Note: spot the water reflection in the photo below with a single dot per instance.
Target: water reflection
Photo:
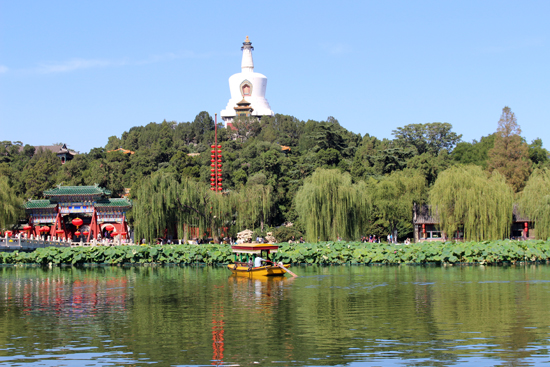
(327, 316)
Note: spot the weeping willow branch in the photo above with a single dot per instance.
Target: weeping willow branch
(535, 202)
(331, 206)
(467, 196)
(10, 204)
(163, 205)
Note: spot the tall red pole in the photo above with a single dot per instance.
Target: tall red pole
(216, 161)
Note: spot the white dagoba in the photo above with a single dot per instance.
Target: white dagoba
(247, 89)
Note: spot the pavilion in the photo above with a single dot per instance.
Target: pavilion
(58, 214)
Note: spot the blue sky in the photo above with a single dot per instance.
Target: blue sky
(80, 71)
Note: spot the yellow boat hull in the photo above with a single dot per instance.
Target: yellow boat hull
(261, 271)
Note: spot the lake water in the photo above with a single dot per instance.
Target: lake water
(341, 315)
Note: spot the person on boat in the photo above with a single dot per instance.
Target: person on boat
(258, 261)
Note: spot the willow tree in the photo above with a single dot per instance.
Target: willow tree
(155, 206)
(254, 204)
(10, 204)
(163, 204)
(330, 206)
(203, 208)
(535, 201)
(468, 196)
(393, 198)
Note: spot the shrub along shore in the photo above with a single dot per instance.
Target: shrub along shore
(324, 253)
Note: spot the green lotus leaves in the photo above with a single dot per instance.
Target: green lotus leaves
(323, 253)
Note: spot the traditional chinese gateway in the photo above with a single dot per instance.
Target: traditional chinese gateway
(78, 212)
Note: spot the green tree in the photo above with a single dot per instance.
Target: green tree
(475, 152)
(330, 206)
(427, 138)
(40, 173)
(510, 154)
(535, 201)
(538, 155)
(480, 202)
(10, 204)
(430, 165)
(393, 197)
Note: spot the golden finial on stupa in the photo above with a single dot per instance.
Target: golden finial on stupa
(247, 40)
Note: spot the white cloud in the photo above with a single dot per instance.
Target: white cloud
(75, 64)
(3, 69)
(79, 64)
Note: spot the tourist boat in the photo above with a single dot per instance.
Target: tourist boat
(244, 261)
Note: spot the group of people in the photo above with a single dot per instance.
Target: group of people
(293, 240)
(371, 238)
(390, 238)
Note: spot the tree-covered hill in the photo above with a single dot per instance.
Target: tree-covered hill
(263, 179)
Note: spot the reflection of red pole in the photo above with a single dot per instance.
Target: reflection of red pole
(217, 339)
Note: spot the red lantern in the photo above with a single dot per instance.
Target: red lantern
(212, 160)
(212, 174)
(219, 150)
(77, 222)
(45, 229)
(212, 184)
(219, 146)
(219, 170)
(109, 227)
(212, 165)
(77, 233)
(60, 231)
(423, 228)
(219, 161)
(85, 233)
(213, 189)
(212, 146)
(219, 165)
(27, 228)
(8, 233)
(123, 234)
(220, 188)
(219, 156)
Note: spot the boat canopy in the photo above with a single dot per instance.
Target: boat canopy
(254, 248)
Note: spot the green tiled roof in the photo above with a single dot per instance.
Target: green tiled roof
(116, 202)
(77, 190)
(39, 204)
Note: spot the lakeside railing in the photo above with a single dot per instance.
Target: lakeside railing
(29, 244)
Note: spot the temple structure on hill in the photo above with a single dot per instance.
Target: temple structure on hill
(61, 151)
(247, 90)
(100, 214)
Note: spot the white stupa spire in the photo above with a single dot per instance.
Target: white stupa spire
(247, 63)
(247, 87)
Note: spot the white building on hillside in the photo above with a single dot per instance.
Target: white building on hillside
(247, 90)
